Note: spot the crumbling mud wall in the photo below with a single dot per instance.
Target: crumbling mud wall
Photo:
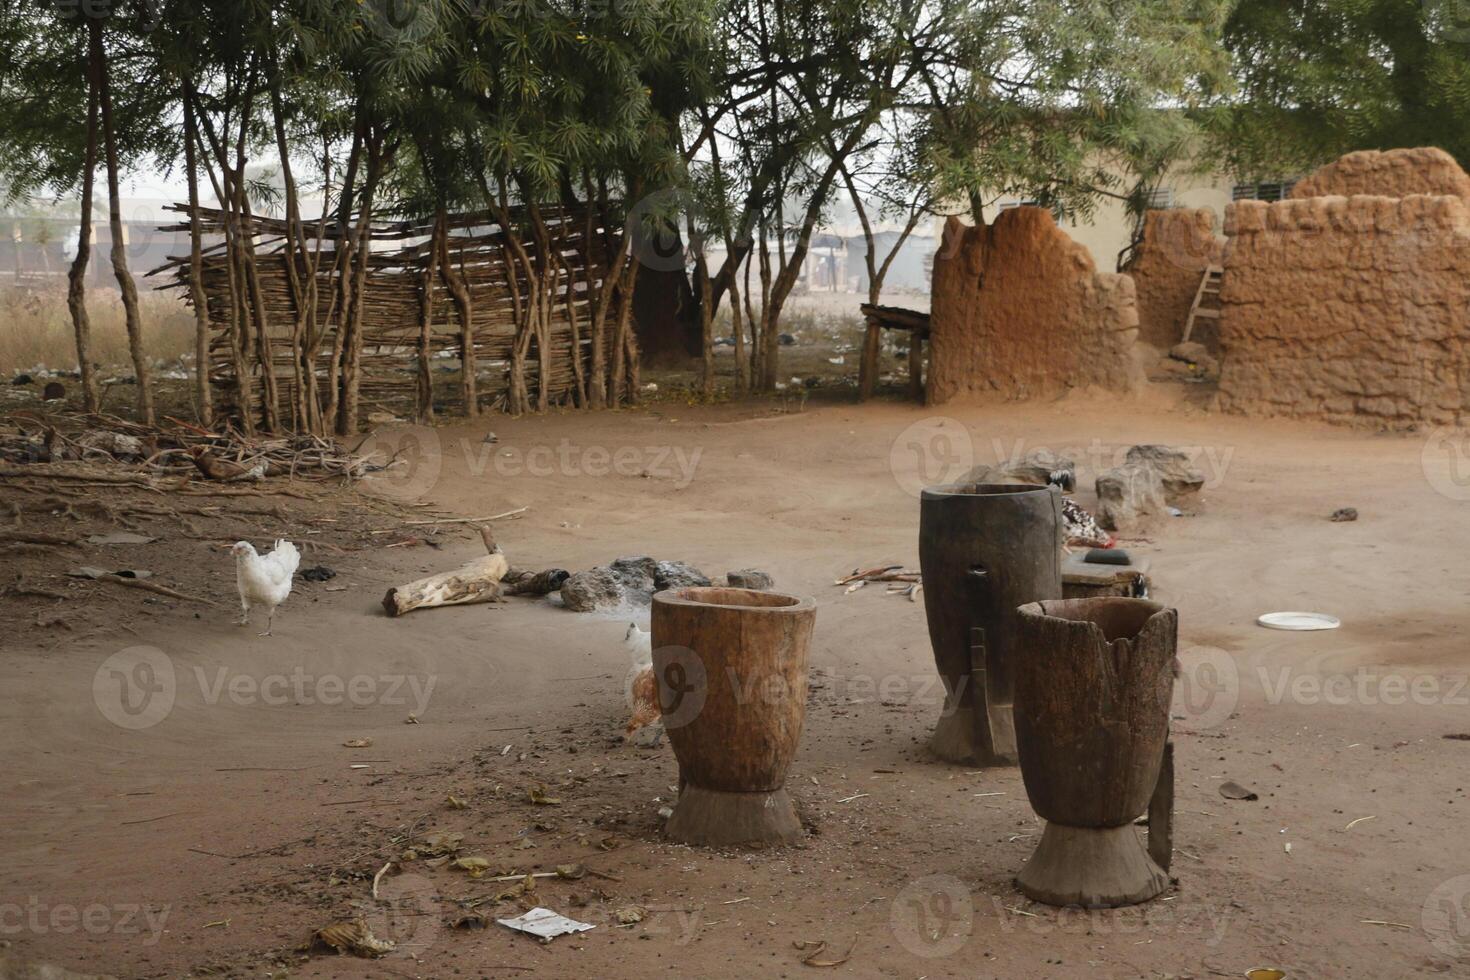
(1166, 269)
(1348, 309)
(1019, 309)
(1387, 173)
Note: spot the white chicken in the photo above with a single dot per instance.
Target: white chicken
(264, 580)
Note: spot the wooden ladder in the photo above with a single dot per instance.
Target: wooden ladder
(1209, 285)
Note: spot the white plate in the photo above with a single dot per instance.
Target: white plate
(1298, 621)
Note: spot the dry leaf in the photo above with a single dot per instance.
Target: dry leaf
(571, 872)
(440, 842)
(538, 795)
(469, 920)
(352, 936)
(475, 865)
(455, 803)
(630, 914)
(358, 743)
(817, 957)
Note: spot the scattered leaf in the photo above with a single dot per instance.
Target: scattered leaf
(630, 914)
(358, 743)
(455, 803)
(1232, 790)
(571, 872)
(352, 936)
(538, 796)
(440, 842)
(474, 865)
(469, 920)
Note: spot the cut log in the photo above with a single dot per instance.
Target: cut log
(475, 581)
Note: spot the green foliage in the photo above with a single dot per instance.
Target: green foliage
(1319, 78)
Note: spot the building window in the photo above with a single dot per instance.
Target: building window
(1262, 192)
(1161, 199)
(1014, 203)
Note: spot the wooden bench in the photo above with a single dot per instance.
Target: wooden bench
(882, 318)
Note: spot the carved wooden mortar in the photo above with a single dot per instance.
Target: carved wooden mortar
(732, 682)
(1092, 725)
(984, 549)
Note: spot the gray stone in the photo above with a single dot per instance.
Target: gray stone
(749, 578)
(677, 575)
(1176, 472)
(596, 588)
(1128, 496)
(1038, 467)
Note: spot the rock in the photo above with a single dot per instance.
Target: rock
(320, 573)
(23, 379)
(1201, 362)
(1128, 495)
(1343, 514)
(1175, 471)
(630, 579)
(1039, 467)
(786, 340)
(53, 391)
(650, 736)
(596, 588)
(677, 575)
(749, 578)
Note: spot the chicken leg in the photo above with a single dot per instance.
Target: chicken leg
(270, 619)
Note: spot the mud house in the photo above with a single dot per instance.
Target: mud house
(1344, 301)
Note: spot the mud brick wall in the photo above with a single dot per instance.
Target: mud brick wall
(1166, 269)
(1387, 173)
(1019, 310)
(1351, 310)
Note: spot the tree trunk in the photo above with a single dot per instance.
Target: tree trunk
(119, 249)
(426, 325)
(464, 311)
(76, 287)
(203, 400)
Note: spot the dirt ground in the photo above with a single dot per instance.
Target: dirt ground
(190, 809)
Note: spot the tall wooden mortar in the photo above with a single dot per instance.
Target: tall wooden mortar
(984, 549)
(1092, 725)
(731, 666)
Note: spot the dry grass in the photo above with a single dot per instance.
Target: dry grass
(36, 330)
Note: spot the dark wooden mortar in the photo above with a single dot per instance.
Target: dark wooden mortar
(984, 549)
(731, 666)
(1092, 725)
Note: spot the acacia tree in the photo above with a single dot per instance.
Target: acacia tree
(1318, 78)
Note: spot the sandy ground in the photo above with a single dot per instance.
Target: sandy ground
(194, 812)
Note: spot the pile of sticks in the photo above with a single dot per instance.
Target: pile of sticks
(908, 582)
(104, 449)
